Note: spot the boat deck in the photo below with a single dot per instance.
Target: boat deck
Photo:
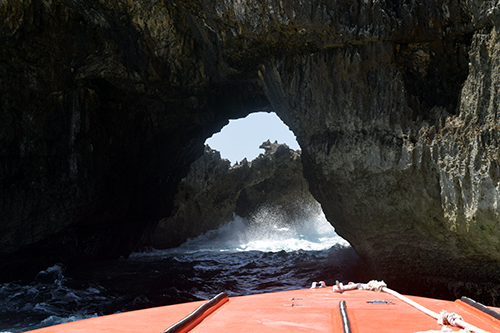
(304, 310)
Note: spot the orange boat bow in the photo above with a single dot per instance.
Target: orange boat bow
(305, 310)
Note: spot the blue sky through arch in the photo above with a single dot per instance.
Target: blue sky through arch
(242, 137)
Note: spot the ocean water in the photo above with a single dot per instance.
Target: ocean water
(246, 256)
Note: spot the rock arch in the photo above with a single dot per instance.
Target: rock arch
(105, 104)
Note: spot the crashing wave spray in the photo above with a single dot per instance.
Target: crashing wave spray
(271, 228)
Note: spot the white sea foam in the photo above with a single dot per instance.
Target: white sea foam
(267, 231)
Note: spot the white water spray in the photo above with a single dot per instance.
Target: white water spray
(268, 230)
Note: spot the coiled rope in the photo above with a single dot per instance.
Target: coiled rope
(444, 318)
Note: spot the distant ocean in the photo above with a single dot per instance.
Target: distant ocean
(243, 257)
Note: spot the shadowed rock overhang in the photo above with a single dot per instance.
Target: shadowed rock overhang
(105, 104)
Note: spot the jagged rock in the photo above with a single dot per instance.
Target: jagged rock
(403, 172)
(105, 104)
(213, 192)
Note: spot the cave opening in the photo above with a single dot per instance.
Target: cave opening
(241, 138)
(276, 206)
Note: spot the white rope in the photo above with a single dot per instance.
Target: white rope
(445, 318)
(340, 288)
(445, 329)
(412, 303)
(320, 284)
(376, 285)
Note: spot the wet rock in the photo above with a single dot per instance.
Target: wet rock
(213, 191)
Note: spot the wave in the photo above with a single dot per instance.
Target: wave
(263, 253)
(46, 301)
(267, 230)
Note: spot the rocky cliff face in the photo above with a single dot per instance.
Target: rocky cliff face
(404, 154)
(104, 105)
(213, 192)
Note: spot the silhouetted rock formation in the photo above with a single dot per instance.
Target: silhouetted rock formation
(213, 192)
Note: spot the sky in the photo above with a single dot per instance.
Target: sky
(242, 137)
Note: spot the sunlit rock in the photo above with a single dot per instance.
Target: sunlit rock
(213, 192)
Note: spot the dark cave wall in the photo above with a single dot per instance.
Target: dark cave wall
(105, 104)
(98, 126)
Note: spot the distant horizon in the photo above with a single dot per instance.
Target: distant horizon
(241, 138)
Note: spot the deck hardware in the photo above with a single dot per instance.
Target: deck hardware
(442, 318)
(380, 302)
(197, 315)
(481, 307)
(345, 319)
(292, 305)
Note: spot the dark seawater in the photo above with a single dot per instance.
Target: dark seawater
(263, 254)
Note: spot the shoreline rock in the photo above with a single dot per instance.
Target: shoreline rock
(213, 191)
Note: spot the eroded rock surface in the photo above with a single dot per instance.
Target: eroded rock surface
(104, 105)
(403, 158)
(214, 191)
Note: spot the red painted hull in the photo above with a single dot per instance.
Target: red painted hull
(305, 310)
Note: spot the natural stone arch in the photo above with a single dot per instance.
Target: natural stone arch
(106, 103)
